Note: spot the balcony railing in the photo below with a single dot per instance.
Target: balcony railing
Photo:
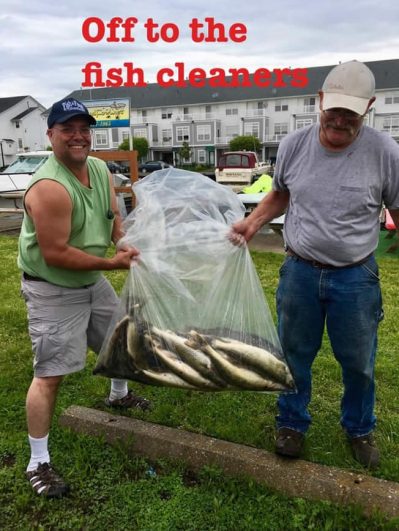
(160, 143)
(194, 117)
(309, 108)
(255, 113)
(276, 137)
(393, 131)
(224, 140)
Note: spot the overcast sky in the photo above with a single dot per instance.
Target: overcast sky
(42, 49)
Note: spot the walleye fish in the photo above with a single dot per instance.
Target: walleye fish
(166, 379)
(114, 360)
(236, 376)
(195, 358)
(135, 344)
(259, 358)
(182, 369)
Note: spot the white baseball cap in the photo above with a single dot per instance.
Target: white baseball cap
(349, 86)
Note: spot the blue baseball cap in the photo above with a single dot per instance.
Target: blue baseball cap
(68, 108)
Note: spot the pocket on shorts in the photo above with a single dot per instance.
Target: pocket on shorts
(371, 268)
(46, 341)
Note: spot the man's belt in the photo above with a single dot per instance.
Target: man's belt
(29, 277)
(320, 265)
(26, 276)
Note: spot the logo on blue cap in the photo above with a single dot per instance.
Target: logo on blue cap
(68, 108)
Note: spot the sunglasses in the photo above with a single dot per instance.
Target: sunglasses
(350, 116)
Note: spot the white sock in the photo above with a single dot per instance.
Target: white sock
(39, 452)
(118, 389)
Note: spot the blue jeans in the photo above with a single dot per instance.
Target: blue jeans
(348, 301)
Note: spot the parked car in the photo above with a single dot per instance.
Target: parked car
(115, 167)
(152, 165)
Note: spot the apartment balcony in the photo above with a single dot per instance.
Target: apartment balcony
(276, 137)
(206, 116)
(255, 113)
(393, 131)
(224, 140)
(309, 109)
(161, 143)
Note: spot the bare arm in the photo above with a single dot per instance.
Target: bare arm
(395, 218)
(272, 206)
(50, 207)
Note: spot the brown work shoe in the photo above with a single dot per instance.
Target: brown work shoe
(129, 401)
(289, 442)
(46, 482)
(365, 451)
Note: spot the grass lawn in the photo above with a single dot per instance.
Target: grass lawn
(114, 491)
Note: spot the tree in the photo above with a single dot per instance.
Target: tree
(124, 146)
(140, 145)
(245, 143)
(185, 152)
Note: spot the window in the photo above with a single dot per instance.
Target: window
(208, 111)
(389, 100)
(231, 131)
(17, 124)
(391, 124)
(231, 111)
(235, 160)
(24, 164)
(304, 122)
(166, 114)
(125, 135)
(251, 128)
(20, 144)
(166, 135)
(280, 130)
(260, 108)
(140, 133)
(183, 134)
(309, 104)
(201, 156)
(203, 133)
(101, 137)
(280, 106)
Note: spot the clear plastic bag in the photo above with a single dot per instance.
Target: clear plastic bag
(192, 313)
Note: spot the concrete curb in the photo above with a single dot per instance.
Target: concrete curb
(291, 477)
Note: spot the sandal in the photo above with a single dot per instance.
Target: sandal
(129, 401)
(46, 482)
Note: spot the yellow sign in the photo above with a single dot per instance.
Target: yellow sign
(110, 113)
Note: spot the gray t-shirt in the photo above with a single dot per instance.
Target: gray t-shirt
(336, 197)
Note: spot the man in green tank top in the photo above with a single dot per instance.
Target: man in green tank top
(71, 218)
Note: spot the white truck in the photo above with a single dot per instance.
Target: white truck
(238, 169)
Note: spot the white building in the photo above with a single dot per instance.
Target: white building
(22, 127)
(208, 118)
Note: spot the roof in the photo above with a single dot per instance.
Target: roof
(6, 103)
(22, 114)
(153, 95)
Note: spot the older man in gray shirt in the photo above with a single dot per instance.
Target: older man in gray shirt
(332, 179)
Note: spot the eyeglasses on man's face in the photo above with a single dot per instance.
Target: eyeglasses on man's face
(350, 116)
(72, 131)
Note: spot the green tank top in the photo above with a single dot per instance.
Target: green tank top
(91, 226)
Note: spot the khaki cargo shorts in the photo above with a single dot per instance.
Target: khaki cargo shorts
(64, 322)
